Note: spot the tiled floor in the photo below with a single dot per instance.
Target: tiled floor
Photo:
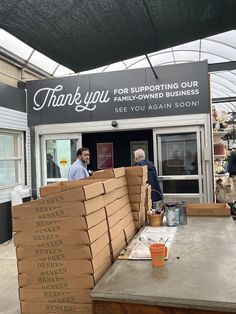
(9, 301)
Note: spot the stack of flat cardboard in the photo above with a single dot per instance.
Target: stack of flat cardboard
(148, 197)
(137, 180)
(121, 225)
(62, 249)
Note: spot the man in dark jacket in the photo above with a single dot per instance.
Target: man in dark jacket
(232, 162)
(139, 155)
(53, 170)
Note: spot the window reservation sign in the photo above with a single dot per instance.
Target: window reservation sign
(179, 89)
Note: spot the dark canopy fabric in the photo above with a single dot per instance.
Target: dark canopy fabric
(85, 34)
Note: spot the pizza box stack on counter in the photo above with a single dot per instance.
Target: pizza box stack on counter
(121, 226)
(137, 182)
(62, 246)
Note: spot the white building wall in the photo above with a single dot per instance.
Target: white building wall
(14, 120)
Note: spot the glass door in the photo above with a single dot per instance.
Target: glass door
(178, 158)
(58, 154)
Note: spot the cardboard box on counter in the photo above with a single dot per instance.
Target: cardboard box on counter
(129, 231)
(136, 171)
(124, 200)
(148, 206)
(61, 238)
(73, 266)
(50, 189)
(60, 312)
(110, 197)
(120, 226)
(119, 215)
(127, 219)
(88, 188)
(120, 182)
(139, 224)
(122, 191)
(60, 205)
(138, 215)
(65, 252)
(109, 173)
(112, 208)
(138, 206)
(129, 239)
(55, 296)
(118, 241)
(109, 185)
(102, 270)
(49, 225)
(136, 189)
(39, 210)
(99, 260)
(98, 245)
(117, 229)
(137, 198)
(60, 308)
(136, 180)
(58, 279)
(117, 252)
(59, 224)
(214, 209)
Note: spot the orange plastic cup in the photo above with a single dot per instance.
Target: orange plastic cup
(158, 253)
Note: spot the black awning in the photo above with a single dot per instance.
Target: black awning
(85, 34)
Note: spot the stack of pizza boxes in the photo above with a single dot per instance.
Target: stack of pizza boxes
(121, 225)
(137, 182)
(62, 247)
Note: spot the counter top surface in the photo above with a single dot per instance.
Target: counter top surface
(204, 276)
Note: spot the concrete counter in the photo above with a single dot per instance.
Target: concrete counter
(204, 276)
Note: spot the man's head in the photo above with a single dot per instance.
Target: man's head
(139, 154)
(234, 147)
(83, 155)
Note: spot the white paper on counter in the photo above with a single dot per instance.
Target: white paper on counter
(158, 235)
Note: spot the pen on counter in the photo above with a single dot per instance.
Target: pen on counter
(166, 241)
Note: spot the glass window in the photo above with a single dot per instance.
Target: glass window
(11, 159)
(180, 186)
(179, 154)
(60, 156)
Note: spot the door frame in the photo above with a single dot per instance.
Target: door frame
(203, 120)
(158, 157)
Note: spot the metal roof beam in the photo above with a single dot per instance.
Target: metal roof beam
(153, 70)
(224, 99)
(223, 66)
